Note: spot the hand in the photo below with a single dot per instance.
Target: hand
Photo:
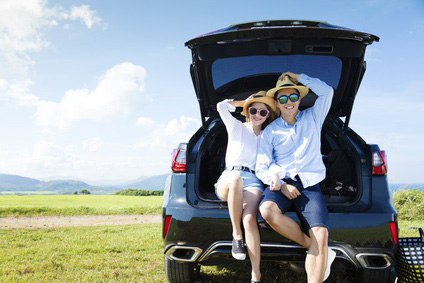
(294, 77)
(290, 191)
(275, 183)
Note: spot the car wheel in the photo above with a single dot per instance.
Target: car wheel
(181, 272)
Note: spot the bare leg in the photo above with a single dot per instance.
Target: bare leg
(283, 224)
(316, 259)
(230, 189)
(250, 213)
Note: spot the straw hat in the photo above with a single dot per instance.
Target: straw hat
(260, 97)
(286, 82)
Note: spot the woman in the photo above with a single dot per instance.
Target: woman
(238, 184)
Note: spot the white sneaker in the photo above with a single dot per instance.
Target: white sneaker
(239, 250)
(330, 259)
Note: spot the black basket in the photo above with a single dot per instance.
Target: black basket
(410, 259)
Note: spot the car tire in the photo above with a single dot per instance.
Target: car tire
(181, 272)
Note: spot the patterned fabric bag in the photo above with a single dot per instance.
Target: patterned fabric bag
(410, 259)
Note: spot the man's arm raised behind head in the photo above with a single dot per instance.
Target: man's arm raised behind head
(325, 96)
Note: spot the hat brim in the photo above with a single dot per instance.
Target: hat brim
(265, 100)
(303, 90)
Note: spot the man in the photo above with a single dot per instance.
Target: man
(289, 161)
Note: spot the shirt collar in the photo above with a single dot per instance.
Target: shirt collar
(298, 117)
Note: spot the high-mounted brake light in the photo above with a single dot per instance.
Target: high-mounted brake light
(379, 163)
(166, 225)
(179, 159)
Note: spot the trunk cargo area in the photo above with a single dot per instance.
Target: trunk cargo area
(341, 184)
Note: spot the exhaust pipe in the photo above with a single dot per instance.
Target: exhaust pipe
(374, 261)
(183, 253)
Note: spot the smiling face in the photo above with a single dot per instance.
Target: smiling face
(257, 119)
(290, 108)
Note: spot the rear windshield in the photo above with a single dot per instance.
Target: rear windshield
(239, 74)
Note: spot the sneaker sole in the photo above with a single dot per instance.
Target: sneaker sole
(239, 256)
(331, 257)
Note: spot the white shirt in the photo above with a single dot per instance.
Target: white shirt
(242, 141)
(290, 150)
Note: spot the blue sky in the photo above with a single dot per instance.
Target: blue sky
(100, 90)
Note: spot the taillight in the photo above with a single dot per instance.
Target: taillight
(394, 230)
(379, 163)
(179, 159)
(166, 225)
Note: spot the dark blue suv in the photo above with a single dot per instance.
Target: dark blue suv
(235, 62)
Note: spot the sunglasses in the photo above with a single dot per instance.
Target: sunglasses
(262, 112)
(294, 97)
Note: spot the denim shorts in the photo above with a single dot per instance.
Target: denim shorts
(250, 181)
(310, 205)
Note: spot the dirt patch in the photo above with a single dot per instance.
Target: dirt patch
(66, 221)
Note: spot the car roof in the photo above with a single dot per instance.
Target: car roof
(277, 28)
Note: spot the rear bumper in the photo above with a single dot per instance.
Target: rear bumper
(201, 233)
(220, 251)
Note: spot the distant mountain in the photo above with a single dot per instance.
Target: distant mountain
(55, 178)
(63, 185)
(15, 183)
(148, 183)
(19, 183)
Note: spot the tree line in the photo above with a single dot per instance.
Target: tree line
(135, 192)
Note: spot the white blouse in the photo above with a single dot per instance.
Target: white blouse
(242, 144)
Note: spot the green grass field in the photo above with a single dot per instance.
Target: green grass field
(130, 253)
(79, 205)
(127, 253)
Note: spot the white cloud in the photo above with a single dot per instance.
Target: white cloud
(47, 158)
(48, 154)
(3, 84)
(20, 24)
(156, 148)
(83, 13)
(22, 30)
(92, 144)
(50, 157)
(20, 93)
(113, 96)
(145, 122)
(165, 137)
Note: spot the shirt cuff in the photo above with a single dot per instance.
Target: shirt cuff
(274, 169)
(304, 79)
(230, 107)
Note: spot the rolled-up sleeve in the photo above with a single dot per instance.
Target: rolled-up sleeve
(325, 96)
(224, 108)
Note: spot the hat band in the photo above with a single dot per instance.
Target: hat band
(287, 85)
